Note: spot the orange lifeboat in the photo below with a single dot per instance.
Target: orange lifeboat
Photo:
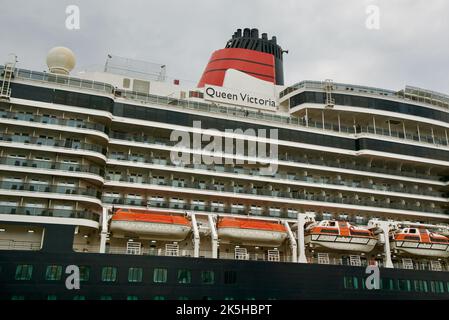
(251, 231)
(150, 224)
(339, 235)
(420, 242)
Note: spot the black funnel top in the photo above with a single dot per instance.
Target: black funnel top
(249, 39)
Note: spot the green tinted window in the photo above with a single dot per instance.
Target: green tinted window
(24, 272)
(230, 277)
(208, 277)
(184, 276)
(132, 298)
(160, 275)
(109, 274)
(425, 286)
(53, 273)
(404, 285)
(440, 286)
(84, 273)
(350, 282)
(135, 274)
(159, 298)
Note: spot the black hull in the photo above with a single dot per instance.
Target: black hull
(254, 279)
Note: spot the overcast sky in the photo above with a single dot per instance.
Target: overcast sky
(325, 39)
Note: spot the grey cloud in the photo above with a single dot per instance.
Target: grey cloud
(325, 39)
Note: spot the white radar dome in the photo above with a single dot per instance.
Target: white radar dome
(61, 60)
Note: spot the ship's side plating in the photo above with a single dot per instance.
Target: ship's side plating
(87, 178)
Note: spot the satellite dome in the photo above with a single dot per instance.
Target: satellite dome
(60, 60)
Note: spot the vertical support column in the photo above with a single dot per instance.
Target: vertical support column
(293, 244)
(196, 237)
(386, 230)
(385, 226)
(419, 134)
(322, 117)
(214, 236)
(302, 219)
(307, 118)
(104, 230)
(403, 128)
(389, 127)
(339, 123)
(374, 124)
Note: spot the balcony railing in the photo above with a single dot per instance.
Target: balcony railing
(280, 175)
(50, 212)
(53, 142)
(50, 120)
(47, 188)
(51, 165)
(207, 107)
(281, 156)
(62, 80)
(292, 196)
(6, 244)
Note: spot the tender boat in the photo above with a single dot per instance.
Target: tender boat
(339, 235)
(420, 242)
(251, 231)
(150, 224)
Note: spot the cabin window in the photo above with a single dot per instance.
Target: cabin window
(389, 284)
(16, 297)
(24, 272)
(230, 277)
(183, 298)
(208, 277)
(84, 273)
(135, 274)
(105, 298)
(78, 297)
(184, 276)
(52, 297)
(53, 273)
(404, 285)
(421, 286)
(109, 274)
(351, 282)
(440, 286)
(159, 298)
(160, 275)
(132, 298)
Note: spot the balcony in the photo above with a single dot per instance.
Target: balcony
(51, 120)
(76, 145)
(51, 165)
(49, 212)
(303, 196)
(281, 156)
(47, 188)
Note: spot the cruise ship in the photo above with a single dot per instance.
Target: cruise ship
(124, 184)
